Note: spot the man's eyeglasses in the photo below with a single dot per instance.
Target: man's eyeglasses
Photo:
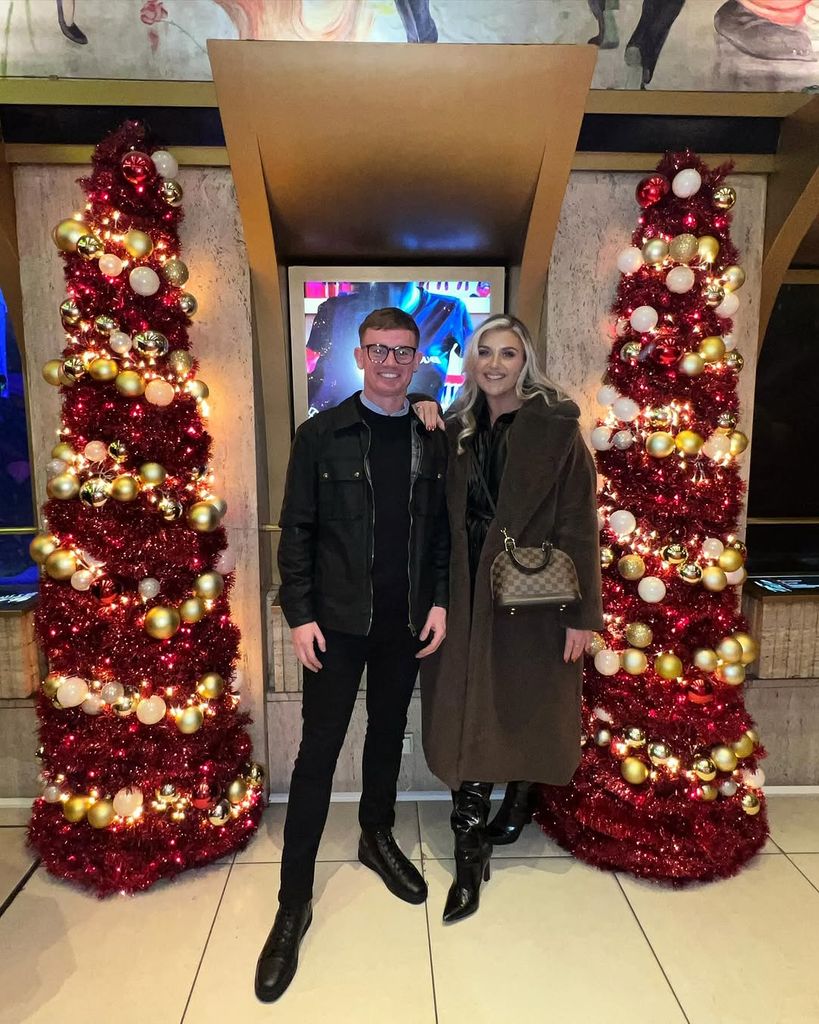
(380, 353)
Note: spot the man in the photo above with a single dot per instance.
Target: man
(364, 562)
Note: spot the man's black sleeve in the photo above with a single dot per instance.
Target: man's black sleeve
(441, 547)
(299, 524)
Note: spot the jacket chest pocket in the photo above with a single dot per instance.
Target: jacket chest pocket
(342, 489)
(429, 490)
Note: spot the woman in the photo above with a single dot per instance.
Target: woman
(501, 698)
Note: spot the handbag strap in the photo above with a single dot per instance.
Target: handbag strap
(482, 480)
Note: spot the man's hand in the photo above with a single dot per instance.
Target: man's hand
(427, 413)
(577, 641)
(435, 626)
(303, 638)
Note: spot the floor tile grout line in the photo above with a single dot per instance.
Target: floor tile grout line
(426, 913)
(18, 888)
(648, 943)
(801, 872)
(207, 942)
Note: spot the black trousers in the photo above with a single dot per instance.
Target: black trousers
(327, 706)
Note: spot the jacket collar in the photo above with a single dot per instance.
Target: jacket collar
(348, 413)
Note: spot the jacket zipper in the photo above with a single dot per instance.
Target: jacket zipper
(413, 477)
(368, 475)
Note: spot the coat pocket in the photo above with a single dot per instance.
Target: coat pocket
(342, 489)
(428, 492)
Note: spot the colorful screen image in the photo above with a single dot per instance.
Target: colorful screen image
(447, 311)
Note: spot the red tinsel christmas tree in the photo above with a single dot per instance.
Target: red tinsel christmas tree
(668, 787)
(145, 757)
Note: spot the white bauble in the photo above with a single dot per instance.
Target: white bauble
(629, 260)
(144, 281)
(626, 409)
(728, 787)
(651, 589)
(119, 342)
(730, 342)
(716, 445)
(55, 467)
(159, 392)
(712, 547)
(623, 439)
(226, 562)
(72, 692)
(165, 163)
(82, 579)
(753, 779)
(110, 264)
(148, 588)
(644, 319)
(737, 576)
(112, 692)
(607, 662)
(52, 794)
(127, 802)
(680, 280)
(151, 710)
(686, 183)
(93, 704)
(600, 439)
(607, 394)
(96, 451)
(602, 714)
(622, 522)
(728, 306)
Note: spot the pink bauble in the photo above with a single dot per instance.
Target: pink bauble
(159, 392)
(110, 264)
(95, 451)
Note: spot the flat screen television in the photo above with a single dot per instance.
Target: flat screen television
(328, 303)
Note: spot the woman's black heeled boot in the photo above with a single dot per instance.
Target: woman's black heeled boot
(470, 809)
(513, 814)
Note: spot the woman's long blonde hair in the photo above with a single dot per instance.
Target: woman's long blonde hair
(531, 382)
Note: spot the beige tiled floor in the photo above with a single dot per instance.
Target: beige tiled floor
(553, 941)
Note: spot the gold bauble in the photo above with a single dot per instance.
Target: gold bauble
(634, 770)
(90, 247)
(729, 649)
(51, 684)
(713, 294)
(62, 451)
(138, 243)
(668, 665)
(126, 705)
(704, 768)
(192, 610)
(750, 803)
(690, 572)
(220, 505)
(724, 197)
(689, 442)
(630, 351)
(53, 373)
(660, 444)
(124, 487)
(739, 442)
(691, 364)
(198, 389)
(118, 451)
(203, 517)
(188, 303)
(712, 349)
(175, 272)
(209, 585)
(655, 251)
(106, 324)
(606, 557)
(161, 622)
(713, 578)
(237, 791)
(658, 752)
(731, 674)
(95, 492)
(639, 634)
(730, 560)
(683, 248)
(734, 361)
(753, 736)
(220, 813)
(150, 344)
(255, 774)
(732, 278)
(707, 248)
(705, 659)
(42, 546)
(74, 368)
(675, 553)
(596, 644)
(190, 720)
(726, 421)
(724, 757)
(635, 737)
(69, 312)
(659, 415)
(708, 792)
(634, 661)
(75, 808)
(63, 486)
(180, 362)
(744, 746)
(631, 567)
(750, 651)
(171, 192)
(211, 685)
(103, 369)
(152, 473)
(67, 234)
(101, 813)
(602, 737)
(169, 508)
(130, 384)
(166, 794)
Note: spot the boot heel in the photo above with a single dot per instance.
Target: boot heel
(486, 872)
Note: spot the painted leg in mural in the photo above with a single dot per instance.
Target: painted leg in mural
(648, 39)
(418, 22)
(65, 16)
(607, 38)
(767, 29)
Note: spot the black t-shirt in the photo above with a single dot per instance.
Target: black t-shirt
(390, 466)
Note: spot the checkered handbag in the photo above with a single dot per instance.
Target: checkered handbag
(543, 577)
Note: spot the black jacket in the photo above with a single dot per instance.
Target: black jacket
(326, 547)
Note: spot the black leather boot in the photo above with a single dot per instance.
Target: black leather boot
(472, 849)
(279, 957)
(379, 851)
(643, 49)
(513, 814)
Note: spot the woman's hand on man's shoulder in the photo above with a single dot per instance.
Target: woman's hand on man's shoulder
(429, 413)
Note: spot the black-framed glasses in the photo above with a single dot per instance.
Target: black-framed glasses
(403, 354)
